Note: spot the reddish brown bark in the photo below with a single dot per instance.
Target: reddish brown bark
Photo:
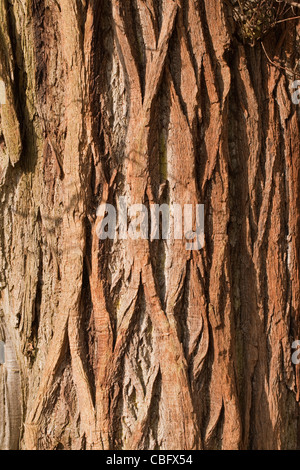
(138, 344)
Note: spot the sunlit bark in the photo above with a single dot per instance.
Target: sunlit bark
(140, 344)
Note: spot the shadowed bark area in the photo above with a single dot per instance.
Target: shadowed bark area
(139, 344)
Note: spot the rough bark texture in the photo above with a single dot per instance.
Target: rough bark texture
(132, 344)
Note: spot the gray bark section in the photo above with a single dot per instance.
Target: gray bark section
(10, 396)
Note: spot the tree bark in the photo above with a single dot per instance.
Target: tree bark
(139, 344)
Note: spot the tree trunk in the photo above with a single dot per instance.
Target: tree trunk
(140, 344)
